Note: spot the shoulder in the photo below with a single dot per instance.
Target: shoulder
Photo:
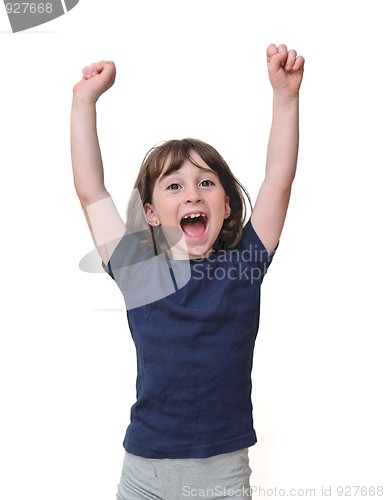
(252, 249)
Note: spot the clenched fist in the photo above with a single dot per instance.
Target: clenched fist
(285, 69)
(97, 78)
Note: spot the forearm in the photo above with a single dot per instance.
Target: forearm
(282, 151)
(87, 162)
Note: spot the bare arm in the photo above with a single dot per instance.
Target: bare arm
(268, 217)
(87, 163)
(105, 223)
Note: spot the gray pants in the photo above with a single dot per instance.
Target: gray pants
(217, 477)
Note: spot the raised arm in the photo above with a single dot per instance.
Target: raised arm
(285, 73)
(105, 223)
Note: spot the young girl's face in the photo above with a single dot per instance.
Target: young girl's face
(191, 198)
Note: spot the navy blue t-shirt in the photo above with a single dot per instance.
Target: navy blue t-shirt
(195, 352)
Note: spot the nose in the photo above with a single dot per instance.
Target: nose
(192, 194)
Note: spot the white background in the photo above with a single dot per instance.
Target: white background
(194, 68)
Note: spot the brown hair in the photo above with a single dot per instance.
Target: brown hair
(177, 151)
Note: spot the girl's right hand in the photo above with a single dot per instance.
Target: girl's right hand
(97, 78)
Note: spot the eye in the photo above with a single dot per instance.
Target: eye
(174, 186)
(207, 183)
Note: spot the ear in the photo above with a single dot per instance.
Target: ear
(227, 207)
(151, 216)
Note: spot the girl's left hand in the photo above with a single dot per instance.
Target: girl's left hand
(285, 69)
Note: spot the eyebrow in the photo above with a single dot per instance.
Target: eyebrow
(171, 172)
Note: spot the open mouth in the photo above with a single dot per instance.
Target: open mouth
(194, 225)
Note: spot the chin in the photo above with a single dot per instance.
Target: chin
(200, 252)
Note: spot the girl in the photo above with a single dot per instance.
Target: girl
(190, 273)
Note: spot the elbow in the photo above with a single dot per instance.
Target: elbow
(279, 185)
(87, 198)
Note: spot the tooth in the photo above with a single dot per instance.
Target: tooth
(192, 216)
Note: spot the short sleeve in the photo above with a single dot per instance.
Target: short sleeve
(253, 246)
(143, 272)
(132, 249)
